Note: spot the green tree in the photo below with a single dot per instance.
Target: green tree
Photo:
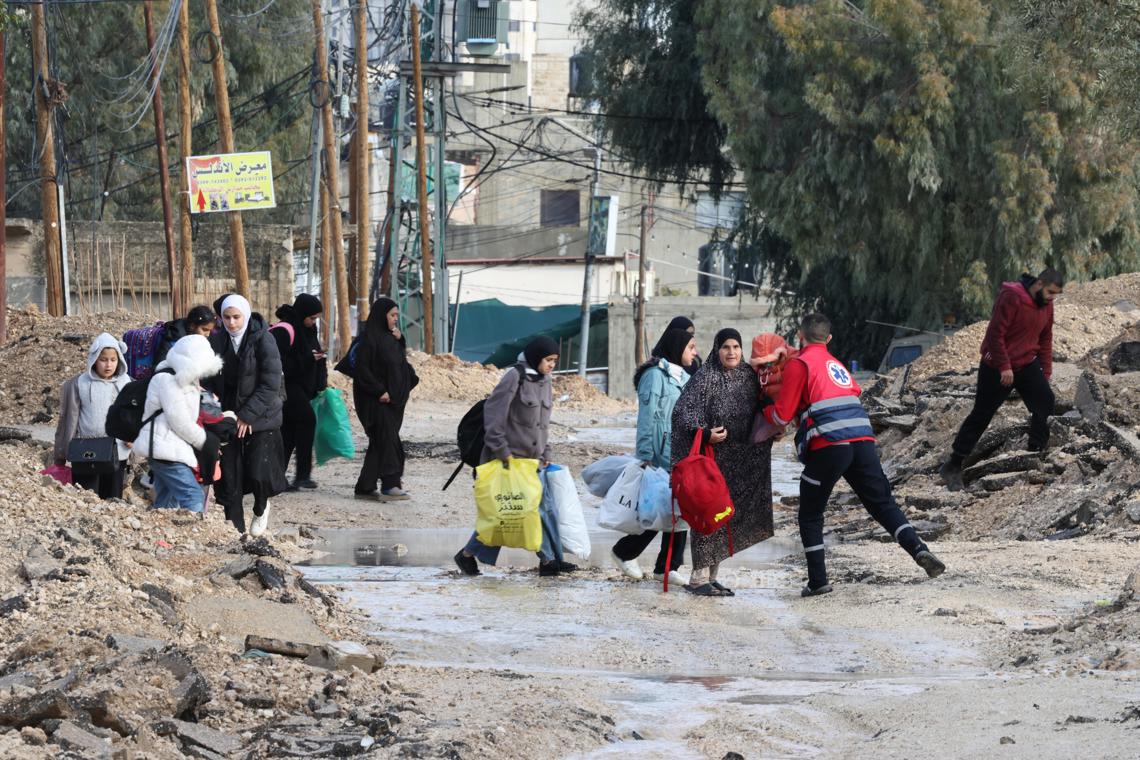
(97, 50)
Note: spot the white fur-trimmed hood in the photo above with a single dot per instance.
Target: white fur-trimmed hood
(192, 359)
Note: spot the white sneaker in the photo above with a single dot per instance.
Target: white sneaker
(675, 578)
(394, 494)
(629, 568)
(260, 522)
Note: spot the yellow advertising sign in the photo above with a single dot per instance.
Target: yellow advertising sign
(230, 182)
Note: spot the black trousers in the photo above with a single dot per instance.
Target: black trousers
(384, 459)
(109, 485)
(250, 465)
(297, 432)
(858, 464)
(1034, 389)
(631, 547)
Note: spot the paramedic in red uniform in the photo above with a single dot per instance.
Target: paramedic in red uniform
(834, 440)
(1017, 352)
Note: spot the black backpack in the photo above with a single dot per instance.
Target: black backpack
(347, 365)
(471, 433)
(125, 417)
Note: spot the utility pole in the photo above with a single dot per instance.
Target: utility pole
(326, 280)
(45, 139)
(332, 184)
(314, 201)
(226, 133)
(639, 320)
(173, 279)
(185, 150)
(386, 258)
(421, 184)
(588, 275)
(3, 197)
(363, 171)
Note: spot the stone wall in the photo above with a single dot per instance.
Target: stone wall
(123, 265)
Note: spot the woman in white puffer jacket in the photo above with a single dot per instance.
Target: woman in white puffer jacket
(170, 440)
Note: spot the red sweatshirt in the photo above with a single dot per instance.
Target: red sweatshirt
(1019, 331)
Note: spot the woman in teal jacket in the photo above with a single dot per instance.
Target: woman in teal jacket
(659, 382)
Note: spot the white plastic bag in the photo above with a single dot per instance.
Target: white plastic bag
(619, 508)
(568, 511)
(655, 504)
(599, 477)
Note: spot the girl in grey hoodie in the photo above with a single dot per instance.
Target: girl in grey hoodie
(83, 404)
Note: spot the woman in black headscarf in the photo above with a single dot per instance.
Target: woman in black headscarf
(516, 421)
(659, 382)
(678, 323)
(719, 403)
(306, 375)
(381, 385)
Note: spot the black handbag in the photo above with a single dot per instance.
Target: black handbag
(93, 456)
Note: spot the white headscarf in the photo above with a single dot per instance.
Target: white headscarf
(234, 301)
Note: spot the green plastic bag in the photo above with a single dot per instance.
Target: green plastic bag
(334, 433)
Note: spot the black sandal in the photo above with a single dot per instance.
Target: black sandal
(705, 589)
(725, 590)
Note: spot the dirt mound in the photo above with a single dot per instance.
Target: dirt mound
(572, 392)
(43, 351)
(446, 377)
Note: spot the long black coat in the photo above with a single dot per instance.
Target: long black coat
(305, 377)
(381, 367)
(250, 382)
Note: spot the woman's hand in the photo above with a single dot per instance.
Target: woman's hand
(718, 435)
(385, 399)
(243, 428)
(396, 333)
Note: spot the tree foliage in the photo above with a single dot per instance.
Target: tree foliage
(96, 49)
(903, 157)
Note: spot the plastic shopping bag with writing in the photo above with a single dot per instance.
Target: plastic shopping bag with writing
(619, 508)
(507, 499)
(333, 437)
(600, 476)
(568, 510)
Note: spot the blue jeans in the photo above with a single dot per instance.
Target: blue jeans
(175, 486)
(551, 549)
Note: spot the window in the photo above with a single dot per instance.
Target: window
(723, 213)
(560, 208)
(903, 355)
(514, 26)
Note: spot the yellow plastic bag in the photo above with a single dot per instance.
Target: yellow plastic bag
(507, 500)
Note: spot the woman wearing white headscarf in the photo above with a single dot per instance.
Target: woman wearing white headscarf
(250, 386)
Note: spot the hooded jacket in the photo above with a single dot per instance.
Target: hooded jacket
(85, 399)
(657, 392)
(1019, 330)
(381, 367)
(250, 383)
(516, 416)
(176, 431)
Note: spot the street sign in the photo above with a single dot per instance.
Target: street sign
(601, 236)
(230, 182)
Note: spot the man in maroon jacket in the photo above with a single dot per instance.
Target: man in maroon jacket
(1017, 352)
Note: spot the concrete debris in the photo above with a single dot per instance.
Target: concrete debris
(70, 737)
(343, 655)
(134, 644)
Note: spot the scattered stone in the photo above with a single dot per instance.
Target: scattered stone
(133, 644)
(260, 547)
(1125, 357)
(1043, 630)
(1003, 481)
(1132, 509)
(343, 655)
(1006, 740)
(19, 603)
(945, 612)
(1089, 399)
(930, 530)
(238, 568)
(904, 422)
(270, 575)
(1077, 719)
(33, 735)
(196, 735)
(71, 737)
(327, 710)
(39, 565)
(278, 646)
(14, 434)
(1015, 462)
(733, 756)
(157, 592)
(192, 692)
(1125, 440)
(257, 701)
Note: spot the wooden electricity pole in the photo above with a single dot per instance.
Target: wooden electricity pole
(45, 139)
(332, 184)
(386, 268)
(173, 280)
(639, 339)
(426, 253)
(363, 172)
(226, 133)
(185, 150)
(326, 256)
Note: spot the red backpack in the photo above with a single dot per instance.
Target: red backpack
(701, 494)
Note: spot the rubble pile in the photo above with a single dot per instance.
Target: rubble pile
(1089, 479)
(42, 352)
(123, 633)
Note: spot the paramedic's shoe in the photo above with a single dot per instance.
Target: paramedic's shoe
(675, 578)
(952, 476)
(394, 494)
(629, 568)
(467, 565)
(933, 566)
(260, 523)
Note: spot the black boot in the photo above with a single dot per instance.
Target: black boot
(951, 473)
